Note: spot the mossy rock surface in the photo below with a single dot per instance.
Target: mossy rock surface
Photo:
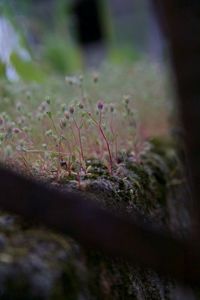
(38, 264)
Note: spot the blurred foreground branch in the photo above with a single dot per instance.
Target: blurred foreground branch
(98, 229)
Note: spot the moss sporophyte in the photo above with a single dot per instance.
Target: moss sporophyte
(70, 137)
(56, 138)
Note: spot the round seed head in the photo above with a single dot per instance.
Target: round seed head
(95, 77)
(100, 105)
(26, 129)
(28, 95)
(112, 108)
(71, 110)
(66, 114)
(81, 106)
(63, 107)
(49, 132)
(18, 106)
(48, 101)
(16, 130)
(126, 99)
(63, 123)
(43, 106)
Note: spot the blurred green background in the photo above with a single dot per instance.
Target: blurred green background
(46, 29)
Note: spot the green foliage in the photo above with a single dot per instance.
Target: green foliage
(61, 55)
(2, 70)
(27, 70)
(119, 55)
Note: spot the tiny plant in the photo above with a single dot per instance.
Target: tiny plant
(57, 133)
(100, 107)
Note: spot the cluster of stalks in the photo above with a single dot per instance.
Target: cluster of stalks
(64, 140)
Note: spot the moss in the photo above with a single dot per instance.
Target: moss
(135, 185)
(38, 264)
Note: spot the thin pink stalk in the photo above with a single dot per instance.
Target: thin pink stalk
(105, 139)
(114, 137)
(79, 138)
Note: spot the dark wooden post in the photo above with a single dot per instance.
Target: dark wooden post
(181, 22)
